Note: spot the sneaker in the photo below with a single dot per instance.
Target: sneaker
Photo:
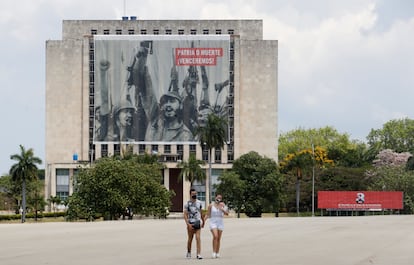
(214, 255)
(188, 256)
(217, 255)
(199, 256)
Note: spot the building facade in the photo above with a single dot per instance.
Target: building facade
(147, 84)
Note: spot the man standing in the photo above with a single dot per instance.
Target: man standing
(194, 220)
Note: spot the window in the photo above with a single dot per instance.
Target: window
(230, 157)
(131, 32)
(154, 149)
(201, 195)
(94, 31)
(91, 100)
(118, 32)
(75, 178)
(205, 31)
(193, 32)
(117, 149)
(143, 31)
(91, 121)
(215, 173)
(218, 31)
(205, 153)
(167, 149)
(91, 77)
(62, 183)
(141, 148)
(168, 32)
(91, 111)
(91, 67)
(156, 32)
(217, 155)
(104, 150)
(180, 32)
(192, 149)
(106, 32)
(230, 31)
(180, 151)
(92, 151)
(230, 101)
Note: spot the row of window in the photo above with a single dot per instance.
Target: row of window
(158, 32)
(142, 148)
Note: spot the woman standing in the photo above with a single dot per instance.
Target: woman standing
(216, 212)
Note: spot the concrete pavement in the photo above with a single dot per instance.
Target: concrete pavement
(384, 240)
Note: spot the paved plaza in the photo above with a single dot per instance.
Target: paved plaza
(385, 240)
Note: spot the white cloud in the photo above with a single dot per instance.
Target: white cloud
(347, 64)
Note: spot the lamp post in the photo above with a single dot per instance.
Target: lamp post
(313, 180)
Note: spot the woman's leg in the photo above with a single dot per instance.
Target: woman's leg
(219, 233)
(214, 232)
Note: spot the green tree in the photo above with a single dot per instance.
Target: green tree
(24, 170)
(114, 184)
(396, 135)
(394, 178)
(192, 170)
(261, 183)
(301, 163)
(340, 147)
(8, 192)
(233, 188)
(212, 135)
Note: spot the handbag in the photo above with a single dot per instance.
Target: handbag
(196, 224)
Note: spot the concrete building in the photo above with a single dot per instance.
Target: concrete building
(95, 68)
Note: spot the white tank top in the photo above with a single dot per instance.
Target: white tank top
(216, 213)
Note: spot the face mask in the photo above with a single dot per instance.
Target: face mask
(194, 197)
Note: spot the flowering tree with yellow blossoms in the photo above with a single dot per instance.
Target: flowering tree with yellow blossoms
(301, 162)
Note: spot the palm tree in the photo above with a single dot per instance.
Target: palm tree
(212, 135)
(192, 170)
(25, 169)
(54, 201)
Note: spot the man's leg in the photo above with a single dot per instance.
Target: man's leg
(190, 233)
(198, 239)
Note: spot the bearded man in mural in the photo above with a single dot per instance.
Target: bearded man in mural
(169, 126)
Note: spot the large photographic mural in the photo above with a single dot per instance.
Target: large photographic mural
(158, 88)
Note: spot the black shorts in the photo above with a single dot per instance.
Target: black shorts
(196, 225)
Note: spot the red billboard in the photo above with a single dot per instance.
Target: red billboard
(360, 200)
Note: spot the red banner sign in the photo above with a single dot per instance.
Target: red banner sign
(197, 56)
(360, 200)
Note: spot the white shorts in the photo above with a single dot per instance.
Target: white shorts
(216, 224)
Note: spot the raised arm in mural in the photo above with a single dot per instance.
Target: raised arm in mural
(205, 107)
(140, 90)
(103, 110)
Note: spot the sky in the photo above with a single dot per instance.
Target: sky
(345, 64)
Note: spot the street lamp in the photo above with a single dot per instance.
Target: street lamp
(313, 180)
